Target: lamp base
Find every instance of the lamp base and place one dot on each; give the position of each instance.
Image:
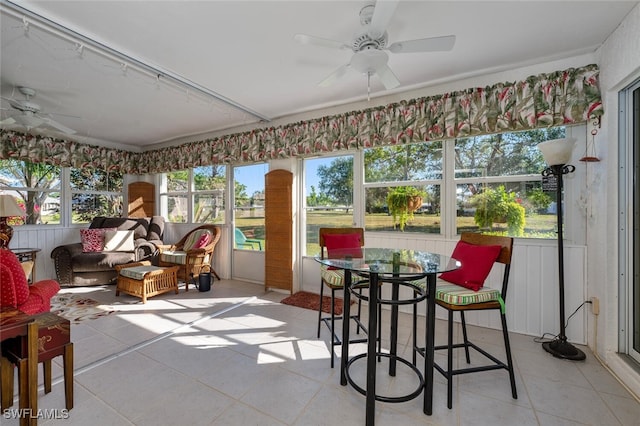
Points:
(560, 348)
(6, 232)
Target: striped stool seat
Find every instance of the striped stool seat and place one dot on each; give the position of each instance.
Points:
(332, 277)
(453, 294)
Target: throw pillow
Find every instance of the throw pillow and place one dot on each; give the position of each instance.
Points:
(194, 239)
(204, 240)
(118, 241)
(92, 239)
(477, 262)
(341, 245)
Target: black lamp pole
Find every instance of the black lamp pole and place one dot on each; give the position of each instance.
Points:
(559, 347)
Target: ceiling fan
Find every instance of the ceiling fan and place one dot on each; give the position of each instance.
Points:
(30, 115)
(369, 45)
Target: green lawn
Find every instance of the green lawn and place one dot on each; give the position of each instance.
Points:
(536, 225)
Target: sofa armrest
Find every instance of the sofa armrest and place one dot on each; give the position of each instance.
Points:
(62, 256)
(145, 249)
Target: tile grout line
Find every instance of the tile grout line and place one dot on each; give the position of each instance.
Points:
(140, 345)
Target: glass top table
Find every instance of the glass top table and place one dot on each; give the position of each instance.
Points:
(396, 267)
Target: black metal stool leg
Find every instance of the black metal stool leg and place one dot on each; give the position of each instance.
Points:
(464, 336)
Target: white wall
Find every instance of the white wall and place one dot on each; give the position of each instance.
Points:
(619, 61)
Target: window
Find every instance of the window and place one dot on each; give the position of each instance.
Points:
(403, 188)
(36, 188)
(495, 186)
(208, 195)
(328, 195)
(249, 206)
(95, 193)
(200, 190)
(499, 186)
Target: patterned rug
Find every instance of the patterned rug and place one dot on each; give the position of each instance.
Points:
(77, 308)
(303, 299)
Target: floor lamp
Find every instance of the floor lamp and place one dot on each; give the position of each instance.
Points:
(557, 153)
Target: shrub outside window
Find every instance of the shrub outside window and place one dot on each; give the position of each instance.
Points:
(499, 185)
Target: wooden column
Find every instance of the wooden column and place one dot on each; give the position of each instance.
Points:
(278, 230)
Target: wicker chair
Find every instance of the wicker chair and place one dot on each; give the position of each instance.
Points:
(193, 252)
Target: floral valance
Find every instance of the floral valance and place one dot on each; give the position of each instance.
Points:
(564, 97)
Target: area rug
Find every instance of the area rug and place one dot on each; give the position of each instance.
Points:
(303, 299)
(77, 308)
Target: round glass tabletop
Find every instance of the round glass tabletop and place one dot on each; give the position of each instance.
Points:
(389, 261)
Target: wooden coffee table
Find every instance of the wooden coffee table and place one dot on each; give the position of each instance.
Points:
(141, 279)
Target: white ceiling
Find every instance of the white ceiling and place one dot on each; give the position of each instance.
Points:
(245, 52)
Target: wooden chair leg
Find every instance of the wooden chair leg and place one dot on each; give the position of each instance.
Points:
(68, 375)
(46, 371)
(6, 373)
(23, 383)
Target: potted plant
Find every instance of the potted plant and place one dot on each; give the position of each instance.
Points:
(402, 202)
(498, 206)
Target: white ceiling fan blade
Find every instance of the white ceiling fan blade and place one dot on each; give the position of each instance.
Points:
(431, 44)
(387, 77)
(322, 42)
(7, 121)
(382, 14)
(334, 76)
(58, 126)
(28, 120)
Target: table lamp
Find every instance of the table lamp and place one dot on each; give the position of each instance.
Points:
(557, 153)
(8, 208)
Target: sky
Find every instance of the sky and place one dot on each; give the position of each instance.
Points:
(253, 176)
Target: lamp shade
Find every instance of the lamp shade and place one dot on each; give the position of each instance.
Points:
(9, 207)
(557, 151)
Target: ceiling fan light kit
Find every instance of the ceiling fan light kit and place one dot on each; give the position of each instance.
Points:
(369, 46)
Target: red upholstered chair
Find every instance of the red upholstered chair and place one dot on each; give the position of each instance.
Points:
(17, 293)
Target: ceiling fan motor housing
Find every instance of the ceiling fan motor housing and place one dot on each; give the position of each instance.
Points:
(362, 41)
(25, 106)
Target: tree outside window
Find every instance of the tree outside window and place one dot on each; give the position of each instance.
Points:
(36, 187)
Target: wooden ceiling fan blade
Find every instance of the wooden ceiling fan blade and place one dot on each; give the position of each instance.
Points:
(334, 76)
(430, 44)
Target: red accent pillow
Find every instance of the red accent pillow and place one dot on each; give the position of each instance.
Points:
(341, 245)
(93, 239)
(204, 240)
(477, 262)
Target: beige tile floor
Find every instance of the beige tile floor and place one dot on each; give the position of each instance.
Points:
(235, 356)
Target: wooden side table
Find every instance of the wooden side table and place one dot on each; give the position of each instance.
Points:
(25, 255)
(14, 323)
(54, 339)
